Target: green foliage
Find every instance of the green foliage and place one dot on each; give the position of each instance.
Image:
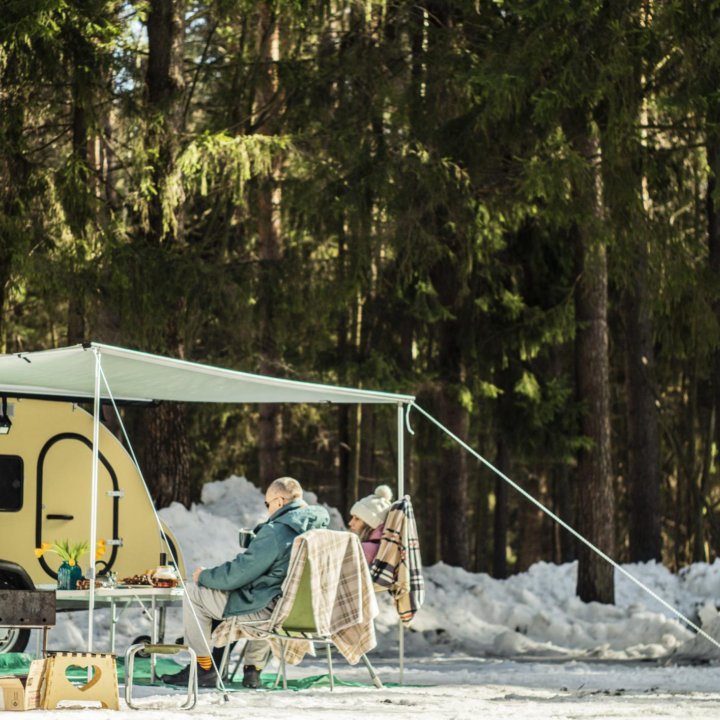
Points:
(424, 171)
(226, 163)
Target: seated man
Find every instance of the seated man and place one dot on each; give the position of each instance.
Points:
(248, 586)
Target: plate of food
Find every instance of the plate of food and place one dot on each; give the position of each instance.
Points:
(136, 581)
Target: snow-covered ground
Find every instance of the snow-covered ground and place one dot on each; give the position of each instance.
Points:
(524, 647)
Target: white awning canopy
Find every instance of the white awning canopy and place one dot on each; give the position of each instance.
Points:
(141, 377)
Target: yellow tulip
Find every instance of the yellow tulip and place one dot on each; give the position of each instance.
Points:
(41, 550)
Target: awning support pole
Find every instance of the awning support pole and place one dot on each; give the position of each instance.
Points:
(93, 500)
(401, 449)
(401, 493)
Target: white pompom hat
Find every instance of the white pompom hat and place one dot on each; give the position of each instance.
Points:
(373, 509)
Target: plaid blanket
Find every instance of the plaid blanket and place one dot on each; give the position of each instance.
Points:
(397, 566)
(343, 600)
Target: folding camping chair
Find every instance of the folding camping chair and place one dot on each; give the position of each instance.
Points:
(327, 600)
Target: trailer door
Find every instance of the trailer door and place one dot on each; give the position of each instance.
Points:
(64, 491)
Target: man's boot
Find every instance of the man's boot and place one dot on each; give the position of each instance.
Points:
(206, 678)
(251, 676)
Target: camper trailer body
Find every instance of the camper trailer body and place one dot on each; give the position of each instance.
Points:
(46, 490)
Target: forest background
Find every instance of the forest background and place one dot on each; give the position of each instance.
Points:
(508, 208)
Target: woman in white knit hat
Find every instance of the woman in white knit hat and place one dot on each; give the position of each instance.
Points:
(367, 519)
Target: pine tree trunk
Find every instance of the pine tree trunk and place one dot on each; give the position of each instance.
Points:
(356, 418)
(452, 483)
(15, 170)
(74, 210)
(433, 98)
(482, 523)
(713, 221)
(270, 249)
(500, 515)
(269, 441)
(643, 436)
(530, 541)
(165, 87)
(367, 464)
(344, 444)
(564, 507)
(453, 474)
(596, 509)
(630, 208)
(344, 459)
(165, 453)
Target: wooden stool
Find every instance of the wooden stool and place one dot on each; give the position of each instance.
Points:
(103, 687)
(133, 650)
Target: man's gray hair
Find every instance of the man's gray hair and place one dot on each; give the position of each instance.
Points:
(288, 487)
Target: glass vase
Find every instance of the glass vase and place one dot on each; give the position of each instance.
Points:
(68, 575)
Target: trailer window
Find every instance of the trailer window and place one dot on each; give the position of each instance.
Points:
(11, 483)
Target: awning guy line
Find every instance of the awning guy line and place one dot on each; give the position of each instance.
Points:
(570, 529)
(168, 544)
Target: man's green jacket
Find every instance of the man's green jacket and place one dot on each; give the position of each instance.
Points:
(254, 578)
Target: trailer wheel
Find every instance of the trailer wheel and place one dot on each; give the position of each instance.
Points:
(13, 639)
(14, 577)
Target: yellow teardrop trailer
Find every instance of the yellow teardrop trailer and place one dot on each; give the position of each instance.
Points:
(45, 491)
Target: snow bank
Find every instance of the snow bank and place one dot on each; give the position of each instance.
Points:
(532, 615)
(537, 614)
